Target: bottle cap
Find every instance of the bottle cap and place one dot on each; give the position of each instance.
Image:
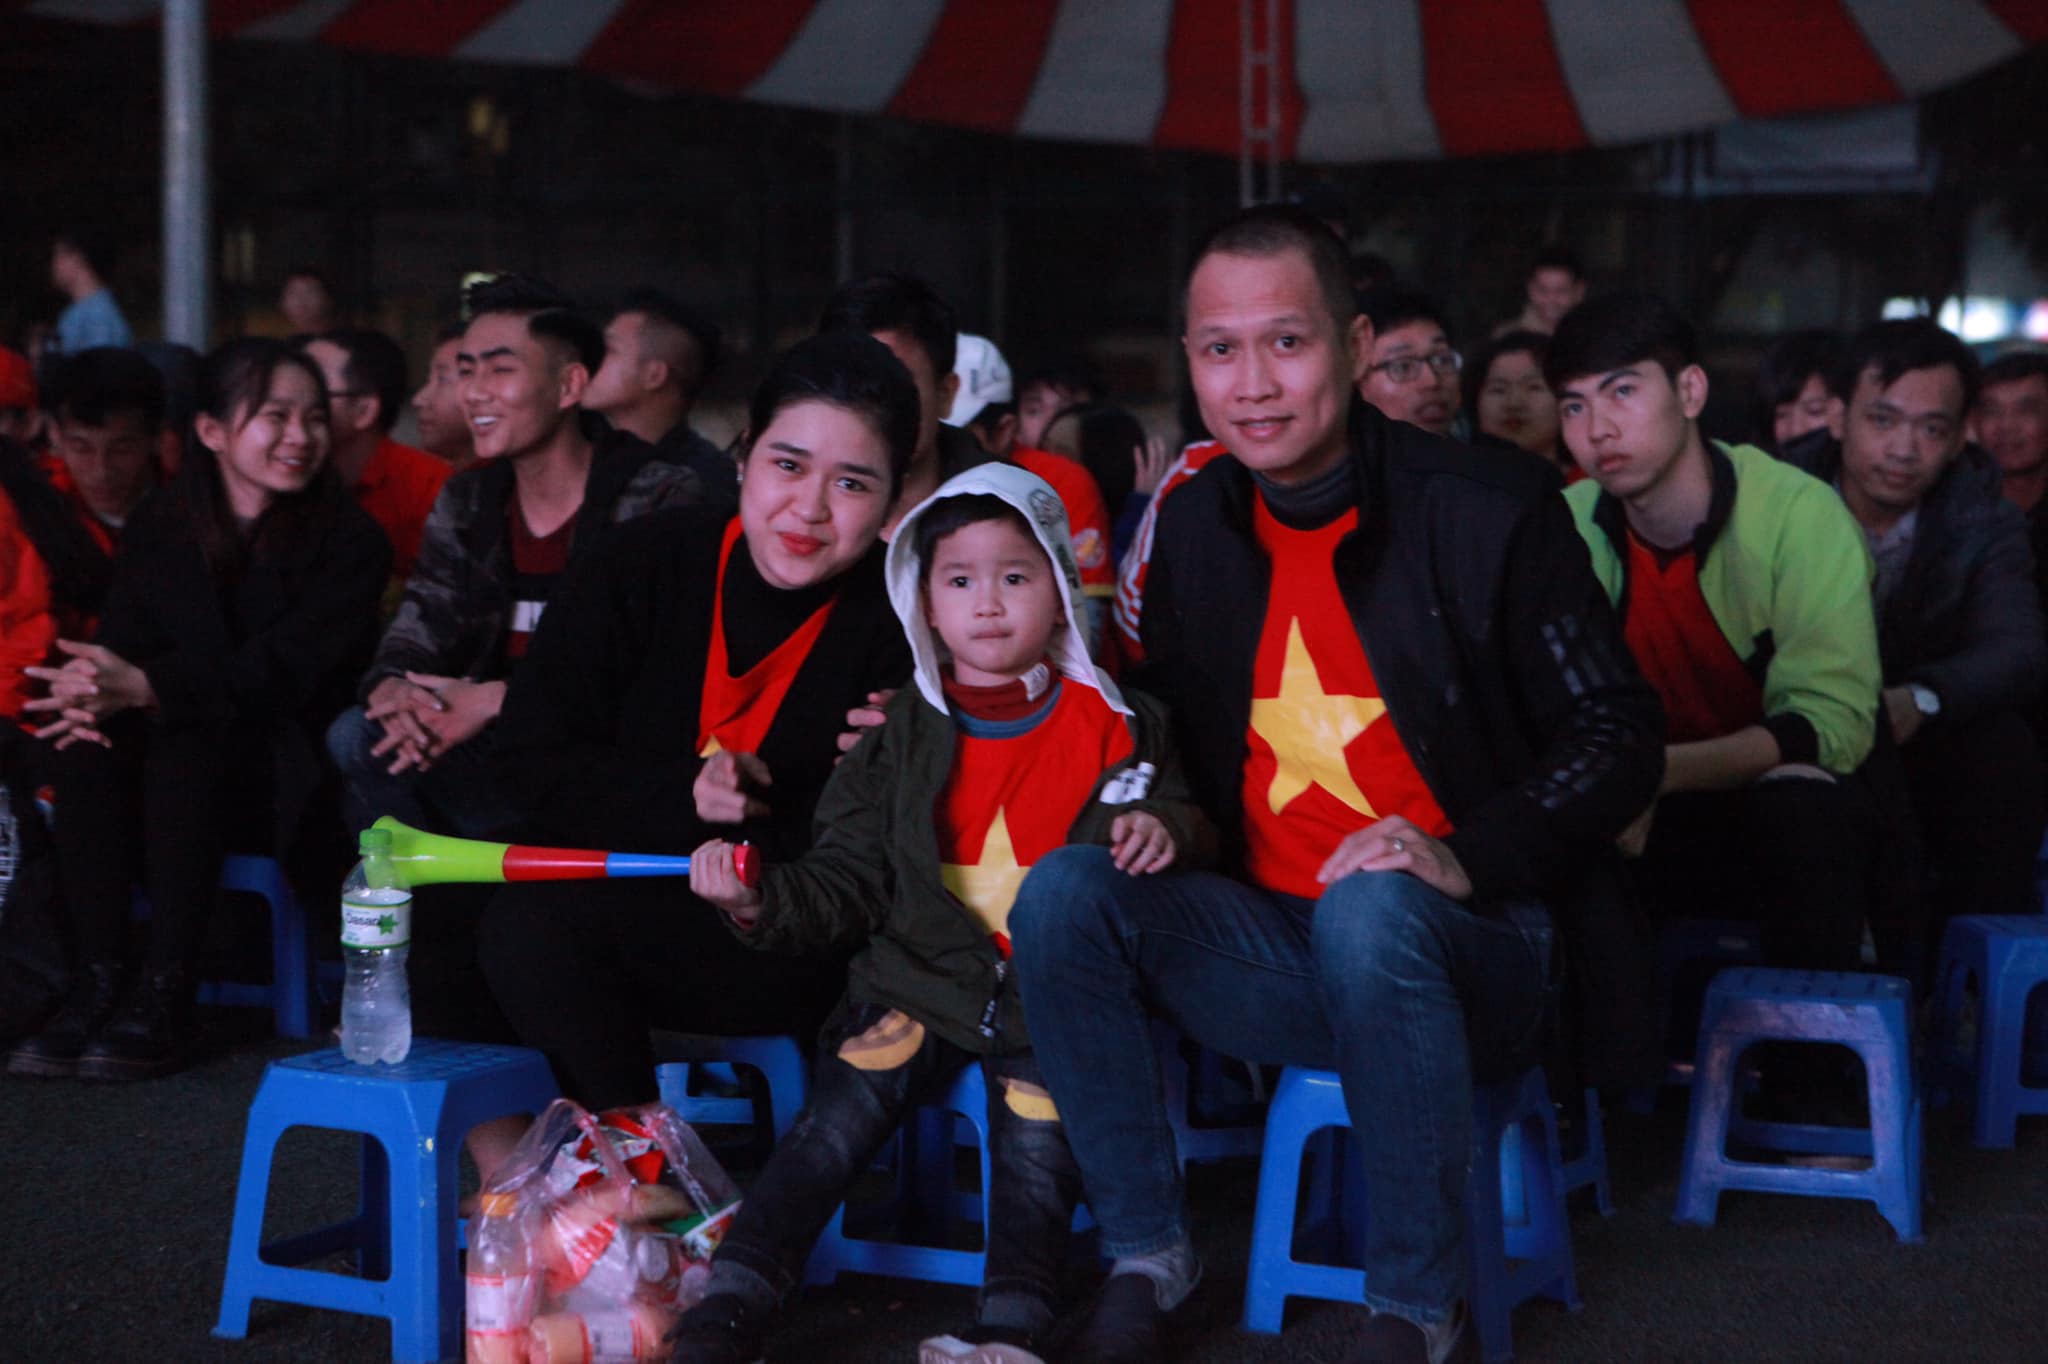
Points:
(374, 840)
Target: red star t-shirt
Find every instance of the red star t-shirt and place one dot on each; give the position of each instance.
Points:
(1009, 801)
(1322, 759)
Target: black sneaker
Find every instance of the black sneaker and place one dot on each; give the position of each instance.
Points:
(1123, 1327)
(1389, 1339)
(722, 1329)
(981, 1345)
(150, 1036)
(56, 1049)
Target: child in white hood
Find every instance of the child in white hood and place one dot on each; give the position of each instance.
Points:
(1011, 744)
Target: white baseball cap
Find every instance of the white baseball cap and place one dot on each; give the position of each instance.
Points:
(984, 378)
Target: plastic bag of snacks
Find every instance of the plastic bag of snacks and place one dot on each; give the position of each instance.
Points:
(593, 1238)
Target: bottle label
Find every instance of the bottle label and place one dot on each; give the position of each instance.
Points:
(618, 1335)
(376, 919)
(499, 1303)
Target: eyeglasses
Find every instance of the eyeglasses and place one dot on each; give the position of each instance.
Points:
(1408, 368)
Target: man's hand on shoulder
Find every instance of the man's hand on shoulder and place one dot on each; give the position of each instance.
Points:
(861, 719)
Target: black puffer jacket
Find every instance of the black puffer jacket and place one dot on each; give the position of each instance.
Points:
(1965, 619)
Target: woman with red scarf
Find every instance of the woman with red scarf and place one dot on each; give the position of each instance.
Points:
(691, 683)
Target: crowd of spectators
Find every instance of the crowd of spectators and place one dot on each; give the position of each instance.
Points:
(1380, 727)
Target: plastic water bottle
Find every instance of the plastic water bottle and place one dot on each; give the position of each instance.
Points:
(376, 929)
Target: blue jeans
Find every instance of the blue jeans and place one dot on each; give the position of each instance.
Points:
(457, 795)
(1405, 993)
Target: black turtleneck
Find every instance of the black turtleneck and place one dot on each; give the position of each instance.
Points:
(759, 617)
(1314, 504)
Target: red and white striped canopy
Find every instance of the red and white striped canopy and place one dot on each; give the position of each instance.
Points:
(1360, 80)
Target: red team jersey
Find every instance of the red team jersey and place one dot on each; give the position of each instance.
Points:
(1012, 800)
(1322, 758)
(1678, 644)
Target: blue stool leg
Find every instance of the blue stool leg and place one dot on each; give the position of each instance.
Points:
(1265, 1289)
(373, 1215)
(245, 1241)
(2001, 1034)
(426, 1318)
(1706, 1131)
(1894, 1126)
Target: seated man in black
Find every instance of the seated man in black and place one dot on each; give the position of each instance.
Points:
(1958, 616)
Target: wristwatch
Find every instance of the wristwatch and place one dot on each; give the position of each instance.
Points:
(1924, 700)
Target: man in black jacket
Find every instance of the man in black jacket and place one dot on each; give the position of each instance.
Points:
(1959, 622)
(657, 355)
(500, 537)
(1403, 698)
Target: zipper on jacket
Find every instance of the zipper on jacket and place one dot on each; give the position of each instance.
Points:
(987, 1026)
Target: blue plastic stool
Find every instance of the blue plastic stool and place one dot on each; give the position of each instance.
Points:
(690, 1065)
(926, 1161)
(291, 992)
(2007, 955)
(1588, 1169)
(413, 1117)
(1514, 1206)
(1870, 1015)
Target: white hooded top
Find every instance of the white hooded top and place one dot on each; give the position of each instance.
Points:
(1040, 506)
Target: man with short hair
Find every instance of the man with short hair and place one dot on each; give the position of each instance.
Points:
(106, 413)
(437, 404)
(1412, 375)
(394, 483)
(1555, 284)
(78, 267)
(1958, 616)
(908, 316)
(2010, 420)
(500, 538)
(306, 302)
(1402, 699)
(1744, 589)
(657, 355)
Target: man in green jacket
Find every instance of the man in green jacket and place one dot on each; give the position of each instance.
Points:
(1744, 590)
(1011, 744)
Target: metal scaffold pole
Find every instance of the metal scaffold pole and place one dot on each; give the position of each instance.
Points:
(188, 199)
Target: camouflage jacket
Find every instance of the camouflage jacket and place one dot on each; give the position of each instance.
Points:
(452, 619)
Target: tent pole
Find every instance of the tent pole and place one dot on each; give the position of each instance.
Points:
(188, 213)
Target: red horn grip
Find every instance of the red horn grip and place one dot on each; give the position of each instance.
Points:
(746, 860)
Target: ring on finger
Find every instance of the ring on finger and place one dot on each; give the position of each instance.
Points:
(1399, 846)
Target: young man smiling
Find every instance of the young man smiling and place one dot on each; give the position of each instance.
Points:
(1744, 589)
(1958, 616)
(1403, 700)
(500, 537)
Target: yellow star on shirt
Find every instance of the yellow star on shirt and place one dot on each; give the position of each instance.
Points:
(1308, 730)
(989, 887)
